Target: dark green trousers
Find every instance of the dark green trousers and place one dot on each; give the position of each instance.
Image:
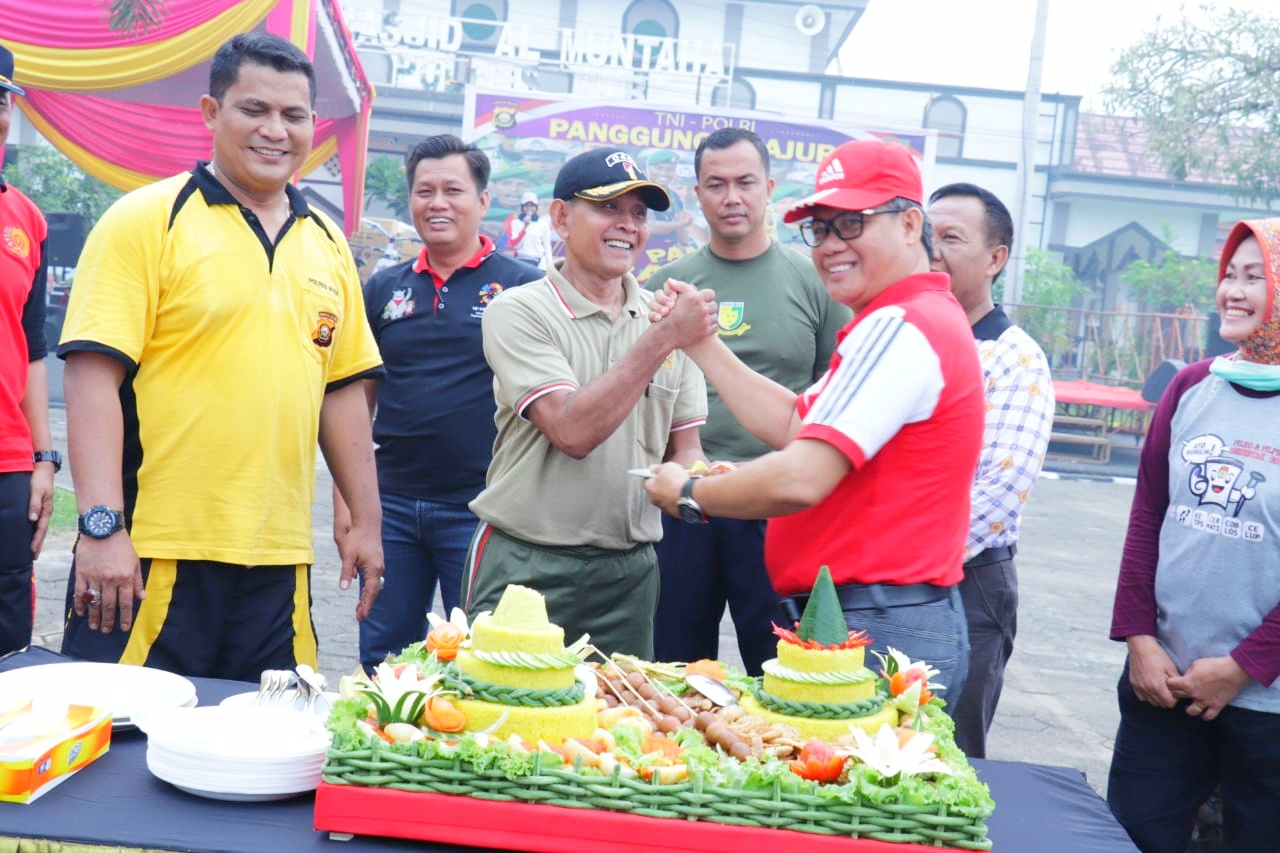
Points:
(610, 595)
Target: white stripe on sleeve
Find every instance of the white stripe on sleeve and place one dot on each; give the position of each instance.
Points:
(888, 376)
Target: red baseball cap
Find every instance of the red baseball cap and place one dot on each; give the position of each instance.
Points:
(861, 175)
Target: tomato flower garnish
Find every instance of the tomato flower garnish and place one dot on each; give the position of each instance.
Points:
(818, 762)
(857, 639)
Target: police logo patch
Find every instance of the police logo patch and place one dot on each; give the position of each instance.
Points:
(17, 241)
(326, 325)
(620, 157)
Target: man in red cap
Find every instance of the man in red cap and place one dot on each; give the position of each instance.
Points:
(27, 460)
(872, 465)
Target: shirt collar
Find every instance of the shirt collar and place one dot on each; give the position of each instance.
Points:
(578, 306)
(215, 192)
(423, 263)
(992, 325)
(907, 287)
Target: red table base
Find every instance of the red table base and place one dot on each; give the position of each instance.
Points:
(521, 826)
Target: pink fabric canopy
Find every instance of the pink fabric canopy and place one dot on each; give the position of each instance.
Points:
(84, 25)
(184, 137)
(124, 106)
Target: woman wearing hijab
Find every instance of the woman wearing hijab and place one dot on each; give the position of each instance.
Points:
(1198, 597)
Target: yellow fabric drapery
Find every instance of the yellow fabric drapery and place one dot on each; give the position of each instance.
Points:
(101, 69)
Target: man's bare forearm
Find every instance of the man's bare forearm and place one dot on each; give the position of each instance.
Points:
(763, 407)
(346, 439)
(95, 428)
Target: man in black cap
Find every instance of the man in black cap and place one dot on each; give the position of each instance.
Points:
(27, 460)
(586, 389)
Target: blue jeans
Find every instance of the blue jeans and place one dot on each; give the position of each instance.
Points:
(936, 633)
(1166, 763)
(422, 542)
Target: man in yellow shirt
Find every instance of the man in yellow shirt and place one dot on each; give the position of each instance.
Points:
(215, 331)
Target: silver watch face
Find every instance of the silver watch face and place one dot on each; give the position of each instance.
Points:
(689, 511)
(100, 523)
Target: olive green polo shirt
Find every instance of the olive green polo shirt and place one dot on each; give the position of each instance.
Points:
(544, 337)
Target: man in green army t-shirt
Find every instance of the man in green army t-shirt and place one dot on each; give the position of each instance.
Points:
(776, 316)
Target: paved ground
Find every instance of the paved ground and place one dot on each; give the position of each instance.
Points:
(1058, 706)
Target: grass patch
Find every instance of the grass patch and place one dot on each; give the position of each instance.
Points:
(64, 511)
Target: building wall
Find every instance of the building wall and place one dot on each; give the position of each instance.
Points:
(774, 64)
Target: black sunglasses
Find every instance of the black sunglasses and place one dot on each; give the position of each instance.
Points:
(847, 224)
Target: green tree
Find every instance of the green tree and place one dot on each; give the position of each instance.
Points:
(384, 182)
(58, 186)
(1049, 291)
(1207, 91)
(1172, 281)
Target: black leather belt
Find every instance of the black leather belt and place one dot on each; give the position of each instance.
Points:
(987, 556)
(876, 596)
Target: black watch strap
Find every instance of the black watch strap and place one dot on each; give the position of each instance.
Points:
(48, 456)
(690, 510)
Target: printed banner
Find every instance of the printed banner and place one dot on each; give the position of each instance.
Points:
(528, 137)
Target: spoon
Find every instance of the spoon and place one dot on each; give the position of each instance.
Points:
(712, 689)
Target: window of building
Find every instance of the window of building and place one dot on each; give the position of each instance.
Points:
(651, 18)
(739, 94)
(480, 19)
(947, 115)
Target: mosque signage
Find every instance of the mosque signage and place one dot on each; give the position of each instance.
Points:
(577, 49)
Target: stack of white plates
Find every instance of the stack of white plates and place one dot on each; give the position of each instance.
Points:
(129, 691)
(236, 753)
(290, 700)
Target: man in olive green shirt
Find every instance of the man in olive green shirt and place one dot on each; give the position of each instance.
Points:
(777, 317)
(586, 389)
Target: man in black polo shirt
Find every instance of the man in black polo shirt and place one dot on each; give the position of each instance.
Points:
(434, 426)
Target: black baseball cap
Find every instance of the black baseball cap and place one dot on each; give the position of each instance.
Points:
(6, 71)
(606, 173)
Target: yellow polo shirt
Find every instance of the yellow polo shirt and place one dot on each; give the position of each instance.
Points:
(231, 344)
(547, 336)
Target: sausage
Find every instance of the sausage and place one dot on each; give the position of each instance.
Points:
(704, 720)
(668, 724)
(635, 679)
(647, 692)
(741, 750)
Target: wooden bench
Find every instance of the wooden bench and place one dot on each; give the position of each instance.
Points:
(1088, 434)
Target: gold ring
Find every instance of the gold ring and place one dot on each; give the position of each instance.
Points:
(1196, 708)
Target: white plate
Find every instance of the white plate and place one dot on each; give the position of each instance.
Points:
(291, 700)
(235, 797)
(231, 733)
(128, 725)
(129, 691)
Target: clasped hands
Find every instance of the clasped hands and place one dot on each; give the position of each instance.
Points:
(692, 313)
(1209, 683)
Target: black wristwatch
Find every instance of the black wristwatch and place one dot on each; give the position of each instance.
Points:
(100, 522)
(689, 509)
(48, 456)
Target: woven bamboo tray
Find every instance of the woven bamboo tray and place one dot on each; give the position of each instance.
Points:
(932, 826)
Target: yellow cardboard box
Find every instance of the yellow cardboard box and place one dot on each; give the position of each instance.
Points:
(40, 746)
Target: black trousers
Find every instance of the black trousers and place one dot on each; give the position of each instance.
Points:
(990, 593)
(15, 561)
